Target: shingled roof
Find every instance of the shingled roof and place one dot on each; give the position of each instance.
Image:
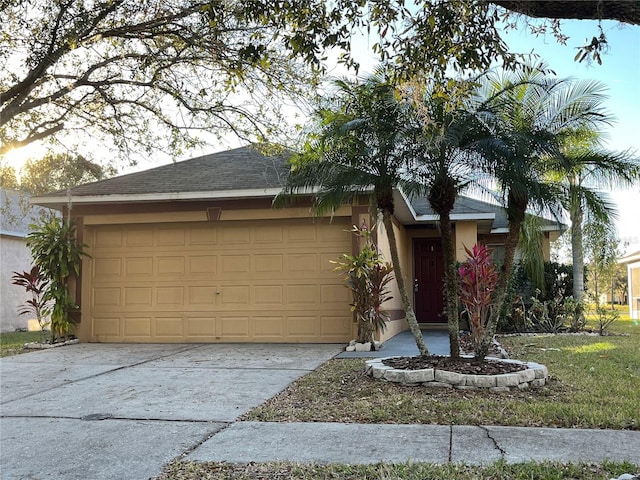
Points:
(243, 173)
(244, 168)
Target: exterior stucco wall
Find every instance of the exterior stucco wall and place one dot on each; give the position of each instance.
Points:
(15, 258)
(394, 306)
(466, 235)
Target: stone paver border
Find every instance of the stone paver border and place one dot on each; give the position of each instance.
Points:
(535, 375)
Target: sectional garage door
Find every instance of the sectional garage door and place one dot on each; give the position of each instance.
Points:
(258, 281)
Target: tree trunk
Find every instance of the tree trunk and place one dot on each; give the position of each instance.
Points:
(452, 288)
(577, 251)
(500, 293)
(397, 270)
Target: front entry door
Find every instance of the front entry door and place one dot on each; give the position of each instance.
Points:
(429, 280)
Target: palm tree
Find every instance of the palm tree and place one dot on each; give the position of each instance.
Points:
(584, 168)
(530, 113)
(444, 136)
(359, 149)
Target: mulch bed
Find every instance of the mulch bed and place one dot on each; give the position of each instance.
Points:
(460, 365)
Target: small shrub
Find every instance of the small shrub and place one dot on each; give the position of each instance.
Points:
(478, 278)
(545, 316)
(35, 283)
(605, 317)
(368, 277)
(574, 314)
(550, 310)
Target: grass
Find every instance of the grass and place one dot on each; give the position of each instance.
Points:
(12, 343)
(409, 471)
(594, 384)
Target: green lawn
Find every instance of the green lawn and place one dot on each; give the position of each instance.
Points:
(594, 384)
(416, 471)
(12, 343)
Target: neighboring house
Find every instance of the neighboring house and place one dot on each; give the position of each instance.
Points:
(194, 252)
(15, 216)
(632, 262)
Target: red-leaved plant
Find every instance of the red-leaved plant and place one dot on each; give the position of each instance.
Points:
(478, 279)
(35, 283)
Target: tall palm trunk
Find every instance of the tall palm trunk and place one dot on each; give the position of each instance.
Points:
(452, 288)
(397, 270)
(516, 217)
(577, 250)
(442, 198)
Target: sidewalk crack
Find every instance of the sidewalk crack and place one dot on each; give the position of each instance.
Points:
(450, 443)
(207, 436)
(495, 442)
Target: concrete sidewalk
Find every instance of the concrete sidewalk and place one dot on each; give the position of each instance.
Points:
(244, 442)
(403, 345)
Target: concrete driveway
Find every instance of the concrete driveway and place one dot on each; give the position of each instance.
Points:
(104, 411)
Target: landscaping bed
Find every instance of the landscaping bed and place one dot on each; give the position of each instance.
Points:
(593, 383)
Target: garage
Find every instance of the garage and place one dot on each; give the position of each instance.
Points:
(219, 281)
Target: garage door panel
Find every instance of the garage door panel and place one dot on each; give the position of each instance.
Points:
(107, 238)
(302, 294)
(239, 235)
(202, 295)
(105, 327)
(171, 265)
(203, 266)
(137, 327)
(202, 236)
(235, 295)
(172, 327)
(108, 267)
(139, 266)
(139, 238)
(302, 262)
(170, 236)
(138, 296)
(268, 263)
(334, 326)
(301, 326)
(272, 295)
(170, 296)
(268, 328)
(334, 294)
(272, 234)
(106, 297)
(236, 263)
(204, 327)
(235, 328)
(268, 281)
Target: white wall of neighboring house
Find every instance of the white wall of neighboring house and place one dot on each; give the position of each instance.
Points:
(633, 270)
(16, 214)
(15, 258)
(632, 262)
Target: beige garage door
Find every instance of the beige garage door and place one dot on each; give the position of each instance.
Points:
(259, 281)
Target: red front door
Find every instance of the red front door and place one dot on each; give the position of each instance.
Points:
(429, 280)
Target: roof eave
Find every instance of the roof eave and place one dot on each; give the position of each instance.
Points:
(59, 202)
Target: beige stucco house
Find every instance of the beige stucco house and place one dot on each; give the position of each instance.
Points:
(194, 252)
(632, 261)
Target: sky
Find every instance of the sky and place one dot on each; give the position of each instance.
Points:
(620, 71)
